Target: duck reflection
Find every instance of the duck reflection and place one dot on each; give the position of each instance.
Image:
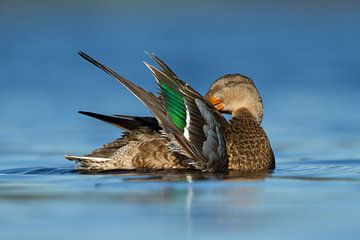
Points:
(182, 175)
(191, 198)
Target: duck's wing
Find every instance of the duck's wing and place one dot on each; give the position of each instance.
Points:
(184, 115)
(127, 123)
(199, 126)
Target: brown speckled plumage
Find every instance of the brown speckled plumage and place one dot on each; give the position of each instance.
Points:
(247, 145)
(141, 148)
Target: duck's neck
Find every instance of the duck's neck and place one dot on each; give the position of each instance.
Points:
(242, 113)
(255, 107)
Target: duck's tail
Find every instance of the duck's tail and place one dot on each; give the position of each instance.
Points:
(90, 163)
(101, 158)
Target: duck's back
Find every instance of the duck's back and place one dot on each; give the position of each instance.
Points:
(248, 147)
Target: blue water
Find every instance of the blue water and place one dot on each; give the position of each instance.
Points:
(304, 58)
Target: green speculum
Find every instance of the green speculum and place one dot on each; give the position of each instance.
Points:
(175, 106)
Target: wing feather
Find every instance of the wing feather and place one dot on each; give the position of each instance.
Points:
(202, 133)
(147, 98)
(127, 123)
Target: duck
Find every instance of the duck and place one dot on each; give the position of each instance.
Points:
(187, 130)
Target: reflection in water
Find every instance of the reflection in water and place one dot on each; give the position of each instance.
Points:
(189, 200)
(183, 175)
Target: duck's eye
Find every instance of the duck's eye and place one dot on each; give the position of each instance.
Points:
(229, 83)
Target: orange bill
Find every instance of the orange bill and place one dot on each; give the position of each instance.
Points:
(216, 102)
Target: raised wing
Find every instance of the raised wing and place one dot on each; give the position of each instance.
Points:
(192, 125)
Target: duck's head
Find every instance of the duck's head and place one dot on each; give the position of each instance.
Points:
(233, 92)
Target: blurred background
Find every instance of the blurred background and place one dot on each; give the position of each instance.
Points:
(304, 57)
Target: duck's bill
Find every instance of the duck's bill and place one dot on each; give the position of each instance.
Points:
(216, 102)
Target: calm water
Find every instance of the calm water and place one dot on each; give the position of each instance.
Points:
(304, 58)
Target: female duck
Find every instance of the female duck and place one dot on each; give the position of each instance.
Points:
(188, 130)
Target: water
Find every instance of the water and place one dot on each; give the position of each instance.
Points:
(304, 58)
